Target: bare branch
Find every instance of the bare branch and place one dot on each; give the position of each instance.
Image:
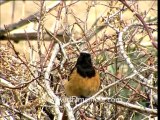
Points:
(20, 112)
(25, 21)
(128, 105)
(58, 114)
(142, 21)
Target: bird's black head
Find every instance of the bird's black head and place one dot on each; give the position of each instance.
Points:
(84, 65)
(84, 60)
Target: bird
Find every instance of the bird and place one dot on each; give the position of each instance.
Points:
(84, 79)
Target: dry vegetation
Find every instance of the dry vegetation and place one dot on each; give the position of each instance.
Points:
(40, 42)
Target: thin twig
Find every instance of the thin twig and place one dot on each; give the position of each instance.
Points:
(142, 21)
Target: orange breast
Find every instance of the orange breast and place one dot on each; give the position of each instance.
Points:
(80, 86)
